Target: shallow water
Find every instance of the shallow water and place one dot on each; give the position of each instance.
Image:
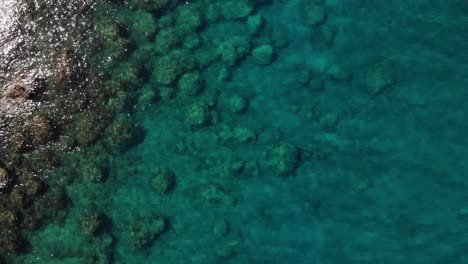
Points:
(262, 133)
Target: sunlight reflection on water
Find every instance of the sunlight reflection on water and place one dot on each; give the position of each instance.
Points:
(34, 35)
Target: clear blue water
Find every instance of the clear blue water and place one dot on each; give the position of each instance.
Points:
(292, 132)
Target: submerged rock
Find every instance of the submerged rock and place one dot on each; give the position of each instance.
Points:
(237, 104)
(197, 114)
(41, 129)
(221, 227)
(285, 158)
(215, 194)
(244, 134)
(163, 180)
(380, 77)
(145, 231)
(18, 92)
(235, 9)
(190, 84)
(154, 5)
(263, 55)
(314, 13)
(233, 50)
(338, 73)
(91, 221)
(171, 66)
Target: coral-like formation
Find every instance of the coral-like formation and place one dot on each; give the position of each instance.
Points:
(4, 178)
(41, 129)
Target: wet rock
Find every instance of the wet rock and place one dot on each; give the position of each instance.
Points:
(284, 158)
(163, 180)
(41, 129)
(18, 142)
(43, 158)
(33, 186)
(11, 241)
(120, 134)
(88, 127)
(67, 71)
(19, 92)
(17, 198)
(9, 217)
(153, 5)
(4, 178)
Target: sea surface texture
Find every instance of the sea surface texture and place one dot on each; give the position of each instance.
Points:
(234, 132)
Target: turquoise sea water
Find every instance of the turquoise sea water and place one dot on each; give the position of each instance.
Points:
(297, 131)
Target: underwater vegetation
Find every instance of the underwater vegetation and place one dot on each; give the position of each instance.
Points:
(234, 131)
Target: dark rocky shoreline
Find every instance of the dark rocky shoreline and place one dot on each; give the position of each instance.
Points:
(48, 107)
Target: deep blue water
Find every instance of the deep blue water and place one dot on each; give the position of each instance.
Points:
(297, 131)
